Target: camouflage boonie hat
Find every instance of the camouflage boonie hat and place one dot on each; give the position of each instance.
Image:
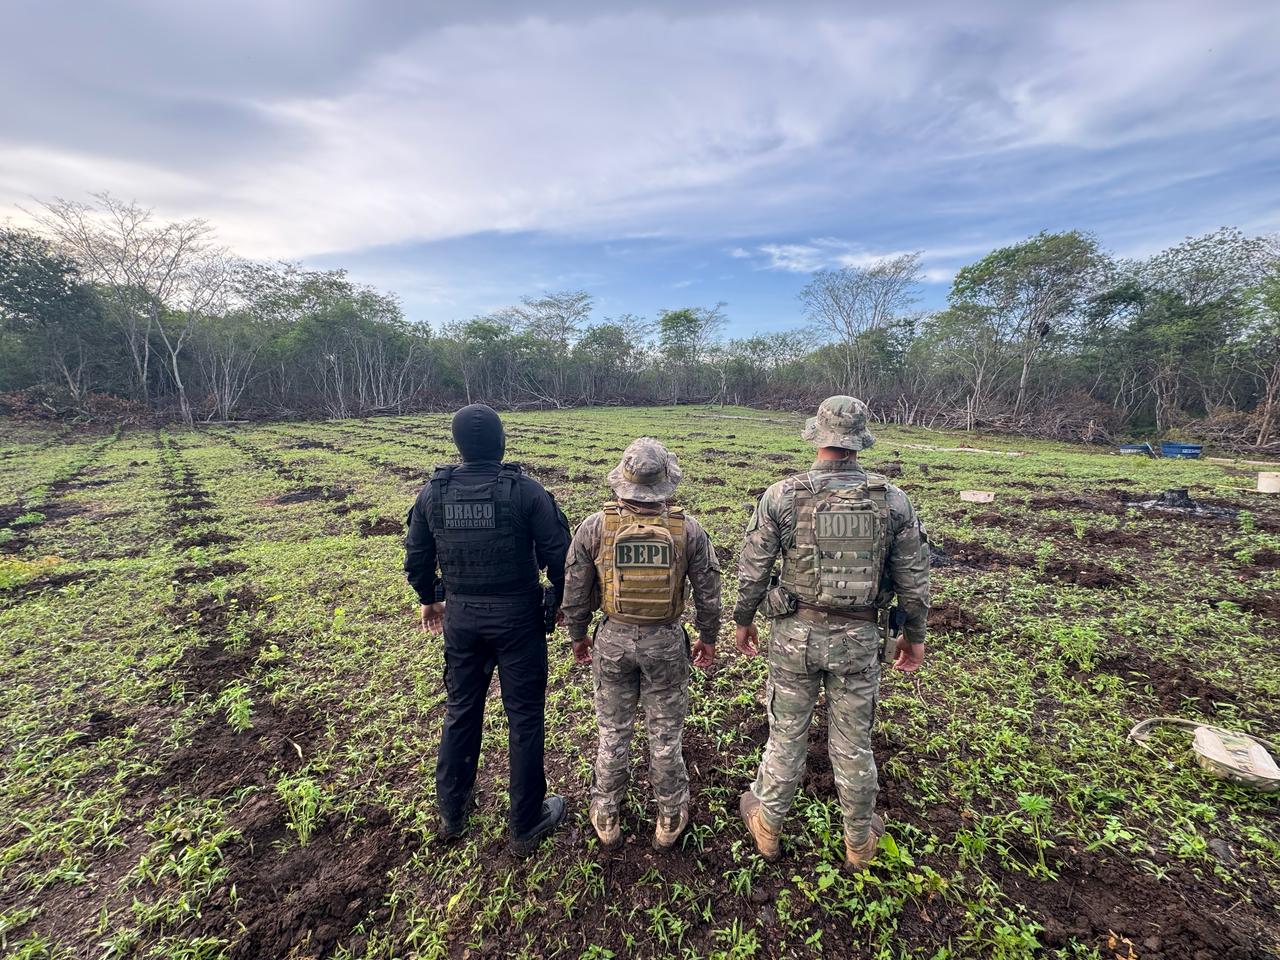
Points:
(841, 422)
(648, 472)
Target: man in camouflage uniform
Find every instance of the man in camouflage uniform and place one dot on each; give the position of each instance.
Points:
(848, 541)
(632, 560)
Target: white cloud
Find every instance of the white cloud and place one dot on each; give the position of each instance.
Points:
(823, 253)
(728, 121)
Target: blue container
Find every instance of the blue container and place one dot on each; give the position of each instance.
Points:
(1142, 448)
(1181, 451)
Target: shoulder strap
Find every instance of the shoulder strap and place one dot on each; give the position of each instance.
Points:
(508, 474)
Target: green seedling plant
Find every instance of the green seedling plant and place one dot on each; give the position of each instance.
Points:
(305, 802)
(205, 630)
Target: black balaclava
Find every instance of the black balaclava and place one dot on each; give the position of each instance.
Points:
(477, 432)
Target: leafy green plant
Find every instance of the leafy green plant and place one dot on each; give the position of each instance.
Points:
(305, 801)
(235, 701)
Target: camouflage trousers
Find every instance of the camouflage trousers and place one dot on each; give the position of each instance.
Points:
(633, 665)
(806, 655)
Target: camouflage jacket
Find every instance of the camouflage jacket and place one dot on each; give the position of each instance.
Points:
(582, 593)
(773, 524)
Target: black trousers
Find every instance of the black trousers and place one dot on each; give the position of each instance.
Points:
(479, 635)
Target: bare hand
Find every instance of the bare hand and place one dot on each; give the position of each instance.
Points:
(910, 656)
(747, 640)
(432, 617)
(582, 650)
(559, 617)
(704, 654)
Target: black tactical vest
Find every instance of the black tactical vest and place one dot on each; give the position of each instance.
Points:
(482, 545)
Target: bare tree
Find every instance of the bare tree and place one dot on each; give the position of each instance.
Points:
(854, 301)
(162, 276)
(554, 320)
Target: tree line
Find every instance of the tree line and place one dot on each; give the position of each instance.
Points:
(1052, 335)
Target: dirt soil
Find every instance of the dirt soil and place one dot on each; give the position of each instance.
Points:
(383, 527)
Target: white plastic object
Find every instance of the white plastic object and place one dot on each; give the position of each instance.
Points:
(1268, 482)
(977, 496)
(1228, 754)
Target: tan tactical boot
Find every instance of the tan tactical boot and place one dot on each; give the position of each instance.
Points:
(669, 828)
(859, 857)
(766, 838)
(608, 826)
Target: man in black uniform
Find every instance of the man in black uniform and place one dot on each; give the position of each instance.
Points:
(490, 528)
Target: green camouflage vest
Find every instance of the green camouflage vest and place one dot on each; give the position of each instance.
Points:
(836, 555)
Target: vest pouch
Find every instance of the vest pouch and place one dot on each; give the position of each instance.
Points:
(779, 602)
(642, 567)
(848, 549)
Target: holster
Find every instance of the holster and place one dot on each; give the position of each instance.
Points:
(891, 620)
(779, 602)
(548, 610)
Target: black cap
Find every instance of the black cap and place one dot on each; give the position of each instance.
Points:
(477, 432)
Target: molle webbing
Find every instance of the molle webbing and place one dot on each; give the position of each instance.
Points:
(481, 545)
(837, 553)
(641, 565)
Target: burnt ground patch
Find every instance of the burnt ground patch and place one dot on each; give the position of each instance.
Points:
(382, 527)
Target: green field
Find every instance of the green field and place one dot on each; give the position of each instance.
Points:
(219, 720)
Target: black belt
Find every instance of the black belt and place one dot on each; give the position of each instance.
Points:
(868, 614)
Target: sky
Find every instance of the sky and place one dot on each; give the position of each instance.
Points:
(658, 155)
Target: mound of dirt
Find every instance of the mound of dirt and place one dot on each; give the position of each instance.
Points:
(382, 527)
(203, 574)
(295, 901)
(208, 538)
(220, 760)
(308, 493)
(975, 556)
(1094, 898)
(1085, 574)
(50, 581)
(210, 615)
(1171, 685)
(952, 618)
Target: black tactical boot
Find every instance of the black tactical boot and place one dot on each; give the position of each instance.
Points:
(453, 826)
(552, 813)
